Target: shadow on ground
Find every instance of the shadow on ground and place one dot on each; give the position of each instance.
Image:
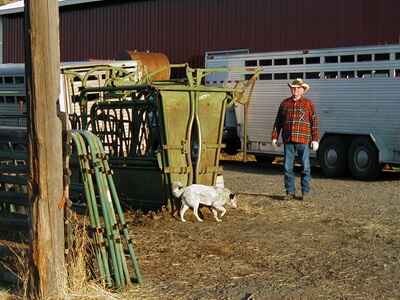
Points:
(254, 167)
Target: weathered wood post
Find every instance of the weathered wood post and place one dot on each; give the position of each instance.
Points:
(42, 57)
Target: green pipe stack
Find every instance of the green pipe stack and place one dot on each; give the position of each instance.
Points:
(111, 234)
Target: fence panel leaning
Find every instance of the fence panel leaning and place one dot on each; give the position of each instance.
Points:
(111, 236)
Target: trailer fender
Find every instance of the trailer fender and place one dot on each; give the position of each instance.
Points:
(384, 153)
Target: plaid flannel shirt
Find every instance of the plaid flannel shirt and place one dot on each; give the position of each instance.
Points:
(297, 120)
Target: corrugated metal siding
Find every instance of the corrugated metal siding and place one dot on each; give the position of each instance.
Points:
(356, 106)
(185, 29)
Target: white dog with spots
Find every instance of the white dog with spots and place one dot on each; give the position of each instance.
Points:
(196, 194)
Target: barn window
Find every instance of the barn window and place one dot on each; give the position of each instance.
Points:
(266, 76)
(1, 80)
(280, 76)
(364, 57)
(398, 55)
(347, 58)
(312, 75)
(250, 63)
(382, 56)
(280, 61)
(8, 80)
(313, 60)
(331, 75)
(331, 59)
(347, 74)
(295, 75)
(265, 62)
(364, 73)
(296, 61)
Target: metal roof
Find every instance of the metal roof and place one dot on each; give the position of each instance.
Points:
(18, 6)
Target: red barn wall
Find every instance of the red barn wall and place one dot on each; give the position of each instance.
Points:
(185, 29)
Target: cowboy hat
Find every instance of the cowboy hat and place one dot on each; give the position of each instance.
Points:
(299, 83)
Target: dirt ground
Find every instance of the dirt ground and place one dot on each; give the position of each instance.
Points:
(342, 244)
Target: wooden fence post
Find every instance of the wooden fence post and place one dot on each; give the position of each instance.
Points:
(45, 188)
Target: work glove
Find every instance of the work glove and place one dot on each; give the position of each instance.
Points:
(314, 145)
(275, 143)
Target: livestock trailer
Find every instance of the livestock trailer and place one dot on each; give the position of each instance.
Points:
(356, 92)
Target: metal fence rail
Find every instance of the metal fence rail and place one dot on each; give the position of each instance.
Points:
(14, 202)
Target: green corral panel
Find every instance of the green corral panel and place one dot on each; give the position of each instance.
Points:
(211, 114)
(177, 117)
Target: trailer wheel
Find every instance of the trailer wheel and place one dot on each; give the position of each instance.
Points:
(332, 156)
(363, 159)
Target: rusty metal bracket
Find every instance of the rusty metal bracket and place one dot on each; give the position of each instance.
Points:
(183, 147)
(210, 170)
(178, 170)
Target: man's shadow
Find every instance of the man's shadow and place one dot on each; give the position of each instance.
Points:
(277, 197)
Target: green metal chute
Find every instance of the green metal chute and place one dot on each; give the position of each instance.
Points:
(211, 114)
(177, 115)
(158, 132)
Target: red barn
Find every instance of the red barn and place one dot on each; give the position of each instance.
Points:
(186, 29)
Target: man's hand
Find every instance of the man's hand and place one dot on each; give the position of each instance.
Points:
(275, 143)
(314, 145)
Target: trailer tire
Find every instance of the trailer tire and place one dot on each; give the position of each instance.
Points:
(363, 159)
(332, 156)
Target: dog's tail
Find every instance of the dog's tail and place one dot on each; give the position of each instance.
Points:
(177, 189)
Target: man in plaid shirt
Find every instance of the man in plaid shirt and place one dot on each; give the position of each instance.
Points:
(298, 121)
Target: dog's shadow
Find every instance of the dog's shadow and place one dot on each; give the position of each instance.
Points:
(204, 212)
(174, 206)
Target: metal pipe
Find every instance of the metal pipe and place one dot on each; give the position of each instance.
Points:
(101, 254)
(116, 250)
(116, 202)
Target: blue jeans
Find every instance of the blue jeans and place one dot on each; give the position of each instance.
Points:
(303, 152)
